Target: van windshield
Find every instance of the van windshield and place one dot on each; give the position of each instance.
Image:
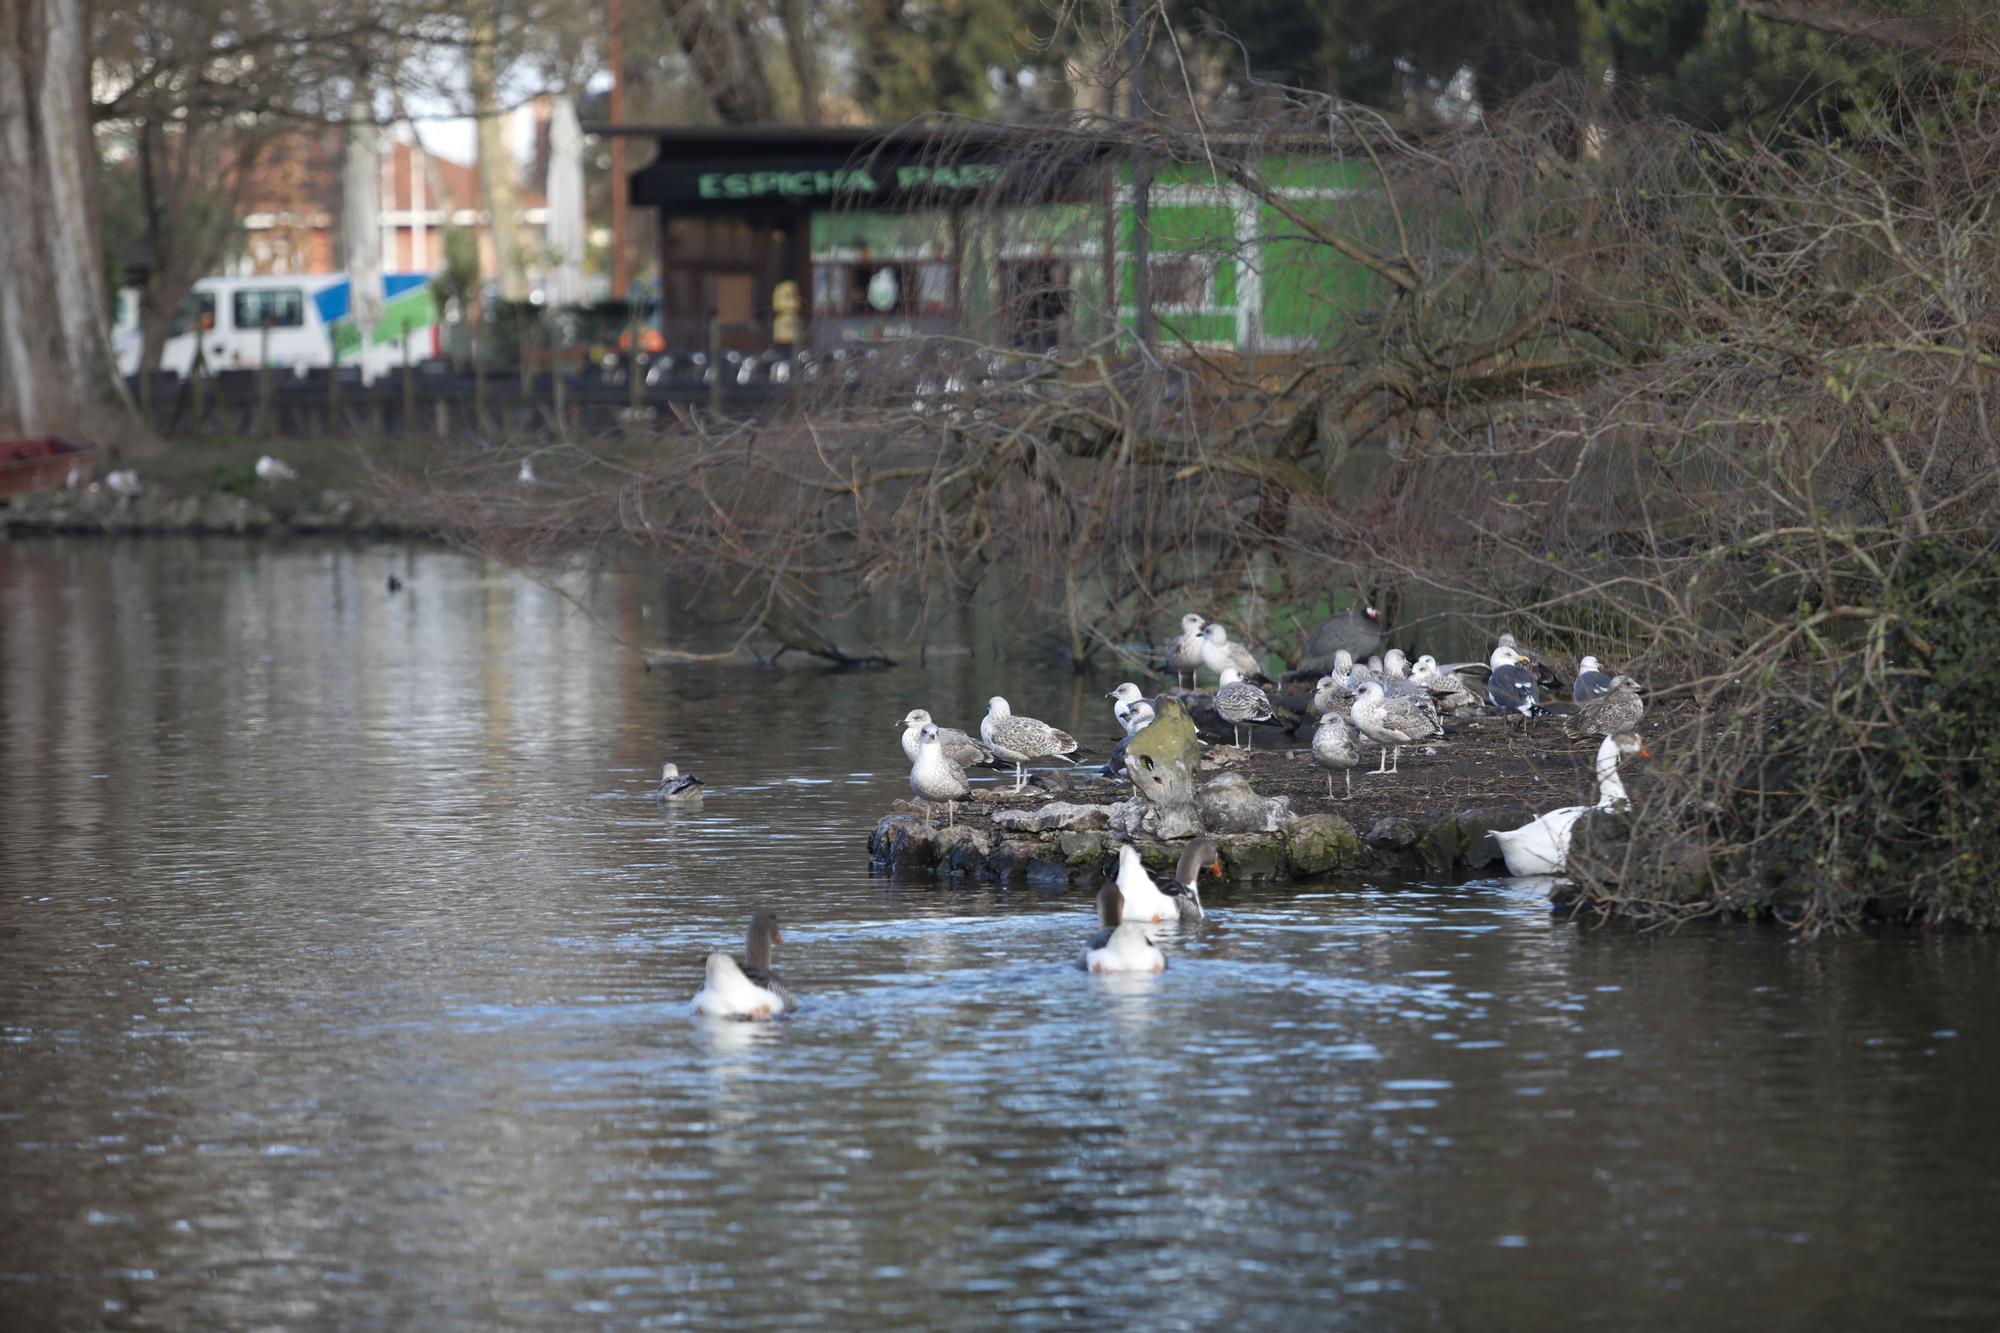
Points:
(198, 311)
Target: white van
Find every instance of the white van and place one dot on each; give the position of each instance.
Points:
(309, 318)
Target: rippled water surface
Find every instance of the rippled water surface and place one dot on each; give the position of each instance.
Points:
(343, 982)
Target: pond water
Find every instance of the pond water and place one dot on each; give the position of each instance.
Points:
(343, 982)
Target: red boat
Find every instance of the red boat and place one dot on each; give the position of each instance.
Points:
(41, 463)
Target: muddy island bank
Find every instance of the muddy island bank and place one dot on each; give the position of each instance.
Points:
(1267, 808)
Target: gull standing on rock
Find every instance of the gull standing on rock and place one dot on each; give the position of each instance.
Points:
(935, 777)
(1122, 946)
(750, 989)
(1217, 652)
(1513, 686)
(1241, 704)
(676, 787)
(1184, 654)
(1618, 709)
(1394, 722)
(1334, 747)
(1591, 680)
(960, 748)
(1016, 740)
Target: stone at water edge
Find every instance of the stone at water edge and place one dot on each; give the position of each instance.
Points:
(1055, 815)
(1322, 844)
(1230, 805)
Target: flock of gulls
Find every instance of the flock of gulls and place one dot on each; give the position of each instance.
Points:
(1360, 696)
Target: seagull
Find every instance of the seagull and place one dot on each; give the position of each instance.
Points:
(1126, 710)
(526, 476)
(1218, 652)
(936, 778)
(126, 481)
(1332, 697)
(1393, 722)
(750, 989)
(676, 788)
(1618, 709)
(1334, 747)
(1241, 704)
(1512, 686)
(1396, 682)
(1591, 681)
(1184, 654)
(1016, 740)
(1122, 946)
(1448, 689)
(274, 469)
(960, 748)
(1141, 716)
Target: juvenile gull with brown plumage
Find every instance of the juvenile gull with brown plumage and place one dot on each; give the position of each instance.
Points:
(1241, 704)
(935, 777)
(960, 748)
(1618, 709)
(1394, 722)
(1016, 740)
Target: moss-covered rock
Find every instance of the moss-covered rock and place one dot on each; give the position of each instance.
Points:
(1255, 856)
(1322, 844)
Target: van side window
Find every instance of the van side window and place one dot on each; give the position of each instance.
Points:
(197, 312)
(283, 308)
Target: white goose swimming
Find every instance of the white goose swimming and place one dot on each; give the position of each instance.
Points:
(1144, 900)
(1122, 946)
(1541, 846)
(750, 989)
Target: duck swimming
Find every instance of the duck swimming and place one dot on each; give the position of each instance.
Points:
(749, 990)
(1541, 846)
(676, 788)
(1119, 947)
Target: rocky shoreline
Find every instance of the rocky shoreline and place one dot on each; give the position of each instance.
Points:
(330, 511)
(1268, 811)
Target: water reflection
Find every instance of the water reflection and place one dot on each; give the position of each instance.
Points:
(344, 969)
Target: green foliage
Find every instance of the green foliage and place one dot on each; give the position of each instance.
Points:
(1706, 62)
(239, 478)
(1887, 794)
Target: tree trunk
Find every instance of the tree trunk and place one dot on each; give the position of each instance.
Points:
(496, 166)
(796, 16)
(56, 367)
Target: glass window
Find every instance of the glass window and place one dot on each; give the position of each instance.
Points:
(1180, 281)
(934, 288)
(282, 308)
(196, 312)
